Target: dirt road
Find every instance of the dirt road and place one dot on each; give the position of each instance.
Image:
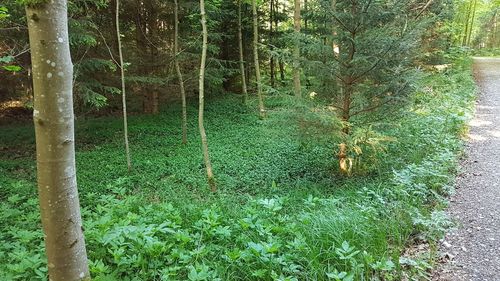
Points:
(474, 246)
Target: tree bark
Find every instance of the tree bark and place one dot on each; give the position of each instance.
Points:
(55, 142)
(262, 110)
(467, 17)
(203, 134)
(282, 71)
(242, 61)
(124, 96)
(179, 73)
(296, 51)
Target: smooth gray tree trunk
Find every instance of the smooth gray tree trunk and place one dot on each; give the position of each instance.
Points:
(55, 141)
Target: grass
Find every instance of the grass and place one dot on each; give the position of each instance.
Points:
(281, 212)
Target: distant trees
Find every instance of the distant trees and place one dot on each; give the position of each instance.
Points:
(55, 141)
(479, 22)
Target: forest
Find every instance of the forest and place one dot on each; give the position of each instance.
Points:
(233, 139)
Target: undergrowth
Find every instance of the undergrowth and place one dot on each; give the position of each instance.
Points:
(281, 212)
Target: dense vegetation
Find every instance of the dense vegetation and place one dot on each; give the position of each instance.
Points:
(281, 214)
(330, 133)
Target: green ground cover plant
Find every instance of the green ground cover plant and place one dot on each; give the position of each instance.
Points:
(281, 212)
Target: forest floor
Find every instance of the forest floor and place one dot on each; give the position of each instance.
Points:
(473, 246)
(281, 212)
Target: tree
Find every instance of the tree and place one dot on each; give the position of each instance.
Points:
(203, 134)
(262, 110)
(55, 141)
(370, 70)
(122, 76)
(242, 60)
(296, 50)
(179, 73)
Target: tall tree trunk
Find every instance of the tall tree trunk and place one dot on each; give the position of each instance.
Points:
(242, 61)
(262, 110)
(55, 141)
(335, 47)
(296, 50)
(124, 96)
(472, 23)
(179, 73)
(345, 164)
(203, 134)
(271, 39)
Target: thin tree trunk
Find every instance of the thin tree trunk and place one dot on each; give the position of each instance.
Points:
(262, 110)
(467, 18)
(124, 97)
(282, 71)
(203, 134)
(336, 50)
(242, 61)
(179, 73)
(271, 37)
(55, 141)
(296, 51)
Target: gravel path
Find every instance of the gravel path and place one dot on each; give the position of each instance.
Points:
(473, 248)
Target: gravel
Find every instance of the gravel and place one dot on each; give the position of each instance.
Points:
(471, 252)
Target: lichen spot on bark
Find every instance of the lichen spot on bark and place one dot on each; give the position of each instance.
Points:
(69, 172)
(49, 75)
(60, 40)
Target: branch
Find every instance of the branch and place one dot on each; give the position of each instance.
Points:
(340, 22)
(109, 49)
(374, 65)
(371, 108)
(424, 8)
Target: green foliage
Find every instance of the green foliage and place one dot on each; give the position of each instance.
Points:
(4, 13)
(280, 213)
(12, 68)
